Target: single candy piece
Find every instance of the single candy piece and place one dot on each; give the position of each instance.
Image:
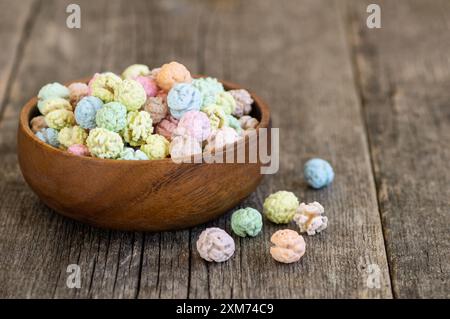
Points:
(104, 143)
(52, 90)
(112, 116)
(131, 94)
(220, 138)
(171, 74)
(79, 150)
(156, 147)
(318, 173)
(104, 86)
(195, 124)
(135, 70)
(214, 244)
(38, 123)
(209, 88)
(244, 102)
(166, 127)
(86, 111)
(149, 85)
(52, 104)
(59, 119)
(130, 154)
(182, 98)
(69, 136)
(246, 222)
(183, 147)
(226, 101)
(78, 91)
(49, 136)
(309, 218)
(289, 246)
(216, 115)
(280, 207)
(234, 123)
(248, 122)
(157, 108)
(138, 129)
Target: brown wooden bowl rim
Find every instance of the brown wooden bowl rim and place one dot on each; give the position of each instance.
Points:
(24, 123)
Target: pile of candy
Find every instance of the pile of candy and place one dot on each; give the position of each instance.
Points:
(143, 114)
(282, 207)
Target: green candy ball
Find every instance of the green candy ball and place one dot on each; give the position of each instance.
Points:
(246, 222)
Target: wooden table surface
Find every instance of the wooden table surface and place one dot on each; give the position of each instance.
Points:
(374, 102)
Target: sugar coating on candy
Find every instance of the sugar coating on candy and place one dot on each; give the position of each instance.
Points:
(49, 136)
(214, 244)
(226, 101)
(135, 70)
(69, 136)
(86, 110)
(166, 127)
(104, 86)
(216, 115)
(149, 85)
(38, 123)
(171, 74)
(246, 222)
(182, 147)
(195, 124)
(288, 247)
(59, 119)
(248, 122)
(280, 207)
(131, 94)
(112, 116)
(156, 147)
(182, 98)
(103, 143)
(234, 123)
(78, 91)
(52, 104)
(157, 107)
(244, 102)
(52, 90)
(154, 73)
(220, 138)
(130, 154)
(138, 129)
(318, 173)
(309, 218)
(209, 88)
(79, 150)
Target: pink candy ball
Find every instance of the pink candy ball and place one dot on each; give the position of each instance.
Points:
(195, 124)
(149, 85)
(77, 92)
(166, 127)
(79, 150)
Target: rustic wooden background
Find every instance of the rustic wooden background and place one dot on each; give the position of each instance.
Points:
(375, 102)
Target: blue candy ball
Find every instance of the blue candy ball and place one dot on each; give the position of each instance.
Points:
(318, 173)
(86, 111)
(48, 135)
(183, 97)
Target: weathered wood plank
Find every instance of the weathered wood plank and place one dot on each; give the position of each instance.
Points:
(296, 58)
(15, 19)
(404, 74)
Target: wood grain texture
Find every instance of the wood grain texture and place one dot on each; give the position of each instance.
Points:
(297, 58)
(15, 21)
(404, 75)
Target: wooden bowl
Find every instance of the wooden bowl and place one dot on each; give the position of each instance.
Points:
(135, 195)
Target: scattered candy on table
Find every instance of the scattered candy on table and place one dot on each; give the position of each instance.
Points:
(309, 218)
(142, 114)
(280, 207)
(246, 222)
(288, 247)
(214, 244)
(318, 173)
